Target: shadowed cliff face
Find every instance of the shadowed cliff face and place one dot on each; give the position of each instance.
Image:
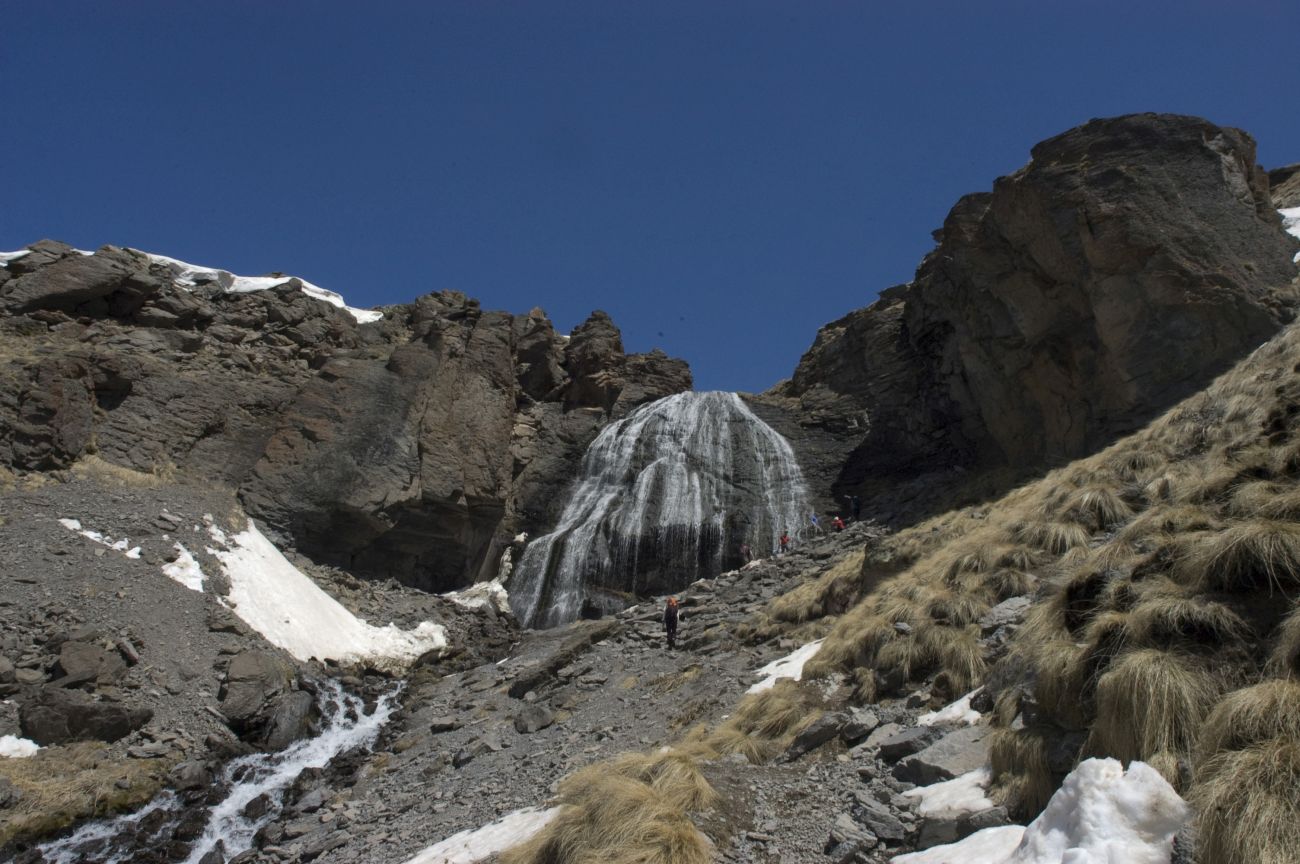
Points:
(413, 447)
(1130, 261)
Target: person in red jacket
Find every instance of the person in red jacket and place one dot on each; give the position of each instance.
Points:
(838, 524)
(785, 542)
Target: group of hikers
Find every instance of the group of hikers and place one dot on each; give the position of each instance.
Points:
(671, 609)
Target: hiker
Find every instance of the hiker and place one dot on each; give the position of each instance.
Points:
(785, 541)
(670, 622)
(837, 523)
(816, 526)
(745, 554)
(855, 506)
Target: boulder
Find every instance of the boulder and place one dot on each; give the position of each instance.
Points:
(956, 753)
(822, 730)
(878, 818)
(533, 718)
(62, 716)
(80, 662)
(859, 725)
(1008, 612)
(253, 679)
(904, 742)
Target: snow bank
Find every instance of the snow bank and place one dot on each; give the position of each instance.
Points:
(13, 747)
(6, 257)
(124, 545)
(1291, 222)
(291, 611)
(964, 794)
(958, 712)
(185, 569)
(476, 844)
(190, 275)
(790, 666)
(1102, 814)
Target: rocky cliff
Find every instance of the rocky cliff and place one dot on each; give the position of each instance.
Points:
(1130, 261)
(411, 446)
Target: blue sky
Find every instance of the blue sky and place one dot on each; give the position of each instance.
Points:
(721, 177)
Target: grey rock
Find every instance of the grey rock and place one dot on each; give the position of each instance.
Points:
(957, 753)
(533, 718)
(822, 730)
(190, 775)
(1007, 612)
(859, 725)
(444, 724)
(905, 742)
(878, 818)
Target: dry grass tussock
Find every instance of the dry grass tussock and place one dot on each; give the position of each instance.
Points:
(763, 724)
(1249, 556)
(831, 593)
(94, 468)
(1150, 701)
(61, 785)
(1248, 809)
(1158, 558)
(1251, 716)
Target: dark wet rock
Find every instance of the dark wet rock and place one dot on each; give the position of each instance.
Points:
(904, 742)
(822, 730)
(63, 716)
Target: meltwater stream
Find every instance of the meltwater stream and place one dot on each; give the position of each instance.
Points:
(666, 495)
(116, 841)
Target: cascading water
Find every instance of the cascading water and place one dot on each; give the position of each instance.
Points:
(666, 495)
(230, 824)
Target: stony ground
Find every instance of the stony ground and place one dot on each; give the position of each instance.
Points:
(474, 745)
(490, 728)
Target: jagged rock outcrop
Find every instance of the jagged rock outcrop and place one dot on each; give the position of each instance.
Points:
(415, 446)
(1130, 261)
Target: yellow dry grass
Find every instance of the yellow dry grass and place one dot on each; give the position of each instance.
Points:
(1249, 716)
(1150, 701)
(1260, 554)
(61, 785)
(1248, 809)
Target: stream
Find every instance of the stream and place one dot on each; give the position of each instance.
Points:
(255, 787)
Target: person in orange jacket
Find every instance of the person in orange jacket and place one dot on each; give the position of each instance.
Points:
(670, 622)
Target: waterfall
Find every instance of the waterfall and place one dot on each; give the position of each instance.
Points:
(666, 496)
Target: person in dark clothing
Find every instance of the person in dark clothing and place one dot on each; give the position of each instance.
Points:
(785, 542)
(670, 622)
(855, 506)
(745, 554)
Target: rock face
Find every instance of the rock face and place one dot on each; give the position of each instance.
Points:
(415, 446)
(1285, 186)
(1130, 261)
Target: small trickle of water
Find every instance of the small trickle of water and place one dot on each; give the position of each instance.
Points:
(113, 841)
(665, 495)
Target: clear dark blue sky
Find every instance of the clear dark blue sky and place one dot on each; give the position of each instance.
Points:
(721, 177)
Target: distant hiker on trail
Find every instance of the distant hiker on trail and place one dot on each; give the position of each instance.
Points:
(855, 506)
(785, 542)
(837, 523)
(745, 555)
(670, 622)
(816, 526)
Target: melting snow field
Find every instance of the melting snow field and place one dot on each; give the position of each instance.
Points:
(790, 666)
(475, 844)
(124, 545)
(13, 747)
(1102, 814)
(283, 604)
(290, 610)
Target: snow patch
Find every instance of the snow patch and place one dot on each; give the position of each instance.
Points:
(952, 798)
(958, 712)
(291, 611)
(124, 545)
(476, 844)
(492, 594)
(1101, 814)
(6, 257)
(790, 666)
(13, 747)
(185, 569)
(191, 275)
